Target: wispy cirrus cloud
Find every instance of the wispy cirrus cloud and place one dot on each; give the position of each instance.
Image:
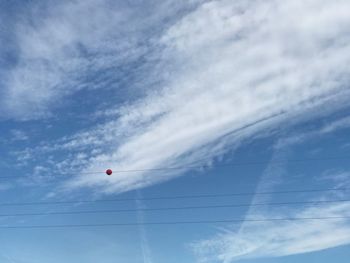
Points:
(273, 238)
(229, 68)
(224, 72)
(145, 244)
(62, 48)
(212, 74)
(336, 125)
(251, 239)
(276, 239)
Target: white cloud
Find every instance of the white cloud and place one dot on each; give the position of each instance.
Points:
(18, 135)
(279, 238)
(229, 68)
(283, 238)
(336, 125)
(66, 46)
(229, 71)
(145, 244)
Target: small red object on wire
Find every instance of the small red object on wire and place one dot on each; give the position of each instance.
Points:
(109, 171)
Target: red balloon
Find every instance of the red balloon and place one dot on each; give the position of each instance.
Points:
(109, 172)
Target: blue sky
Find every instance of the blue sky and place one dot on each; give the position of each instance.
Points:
(246, 96)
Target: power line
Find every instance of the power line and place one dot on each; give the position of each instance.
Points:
(232, 164)
(175, 208)
(175, 222)
(247, 163)
(177, 197)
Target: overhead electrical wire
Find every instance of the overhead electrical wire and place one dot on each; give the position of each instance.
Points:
(232, 164)
(175, 208)
(178, 197)
(248, 220)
